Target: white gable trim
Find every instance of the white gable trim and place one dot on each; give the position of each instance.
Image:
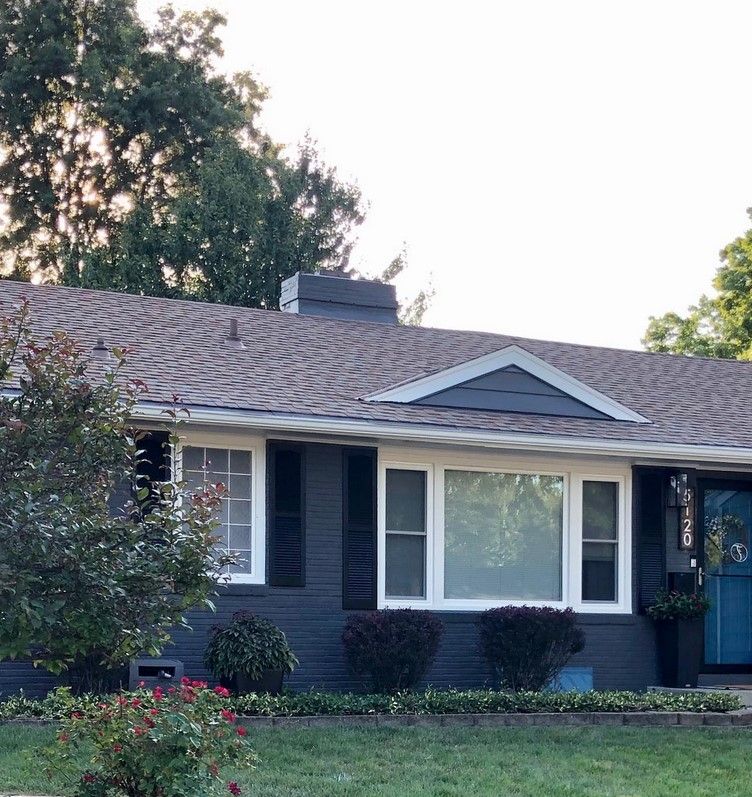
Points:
(488, 363)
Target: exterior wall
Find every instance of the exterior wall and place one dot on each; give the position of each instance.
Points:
(619, 648)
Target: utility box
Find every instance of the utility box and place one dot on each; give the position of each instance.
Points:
(154, 672)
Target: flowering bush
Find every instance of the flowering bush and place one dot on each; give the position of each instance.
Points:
(676, 605)
(158, 743)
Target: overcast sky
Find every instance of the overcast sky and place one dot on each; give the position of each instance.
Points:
(560, 170)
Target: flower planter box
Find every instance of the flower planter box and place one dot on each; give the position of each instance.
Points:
(679, 645)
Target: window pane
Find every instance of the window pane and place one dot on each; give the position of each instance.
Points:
(240, 461)
(598, 571)
(405, 500)
(240, 486)
(502, 537)
(243, 563)
(217, 460)
(405, 566)
(600, 501)
(193, 458)
(240, 511)
(240, 537)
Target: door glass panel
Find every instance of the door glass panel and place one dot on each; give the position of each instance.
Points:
(728, 569)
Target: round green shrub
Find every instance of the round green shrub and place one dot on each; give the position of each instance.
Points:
(393, 647)
(248, 646)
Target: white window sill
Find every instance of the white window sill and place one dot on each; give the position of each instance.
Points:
(483, 605)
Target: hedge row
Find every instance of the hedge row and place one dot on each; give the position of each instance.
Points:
(432, 701)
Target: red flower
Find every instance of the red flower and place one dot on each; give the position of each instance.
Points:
(141, 684)
(63, 737)
(171, 690)
(228, 715)
(118, 748)
(221, 691)
(158, 694)
(139, 731)
(149, 722)
(154, 712)
(185, 681)
(241, 730)
(135, 702)
(199, 684)
(76, 715)
(233, 787)
(88, 778)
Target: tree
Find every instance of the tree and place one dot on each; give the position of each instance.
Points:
(87, 574)
(127, 162)
(720, 325)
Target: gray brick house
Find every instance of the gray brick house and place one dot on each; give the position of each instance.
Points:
(375, 465)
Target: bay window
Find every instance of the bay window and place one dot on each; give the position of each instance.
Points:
(469, 537)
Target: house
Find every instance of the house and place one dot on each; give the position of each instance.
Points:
(375, 465)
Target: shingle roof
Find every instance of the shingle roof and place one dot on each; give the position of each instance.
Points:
(313, 366)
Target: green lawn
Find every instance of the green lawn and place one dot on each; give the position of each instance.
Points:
(535, 762)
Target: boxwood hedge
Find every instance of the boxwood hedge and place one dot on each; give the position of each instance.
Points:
(430, 701)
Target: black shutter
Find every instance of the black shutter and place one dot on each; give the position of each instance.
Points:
(359, 529)
(650, 517)
(286, 514)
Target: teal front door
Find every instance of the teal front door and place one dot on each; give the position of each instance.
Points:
(727, 520)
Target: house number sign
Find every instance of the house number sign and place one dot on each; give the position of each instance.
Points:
(687, 521)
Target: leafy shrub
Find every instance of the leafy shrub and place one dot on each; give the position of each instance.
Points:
(678, 606)
(152, 743)
(433, 701)
(528, 646)
(248, 646)
(393, 647)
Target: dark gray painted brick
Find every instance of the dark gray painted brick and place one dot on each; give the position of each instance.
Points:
(620, 649)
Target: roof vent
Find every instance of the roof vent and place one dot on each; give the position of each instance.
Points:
(99, 350)
(334, 295)
(233, 339)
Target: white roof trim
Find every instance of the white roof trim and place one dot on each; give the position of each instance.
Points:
(424, 433)
(488, 363)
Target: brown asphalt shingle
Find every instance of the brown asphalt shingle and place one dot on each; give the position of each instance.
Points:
(320, 367)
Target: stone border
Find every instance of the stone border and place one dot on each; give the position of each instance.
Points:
(635, 718)
(660, 719)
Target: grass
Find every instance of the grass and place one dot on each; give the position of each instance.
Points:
(419, 762)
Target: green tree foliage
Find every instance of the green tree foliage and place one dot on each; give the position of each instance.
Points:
(128, 162)
(86, 571)
(718, 326)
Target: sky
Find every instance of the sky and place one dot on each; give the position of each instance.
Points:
(558, 170)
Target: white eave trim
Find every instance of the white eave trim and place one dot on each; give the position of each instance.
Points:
(428, 434)
(488, 363)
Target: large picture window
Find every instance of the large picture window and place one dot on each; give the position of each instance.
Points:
(470, 537)
(502, 535)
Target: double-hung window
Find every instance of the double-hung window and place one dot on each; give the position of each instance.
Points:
(406, 514)
(240, 531)
(600, 540)
(480, 535)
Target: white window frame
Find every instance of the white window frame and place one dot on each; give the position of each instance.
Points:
(381, 509)
(257, 448)
(623, 566)
(573, 473)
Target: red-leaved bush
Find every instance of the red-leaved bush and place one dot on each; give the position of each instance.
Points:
(527, 646)
(393, 648)
(153, 743)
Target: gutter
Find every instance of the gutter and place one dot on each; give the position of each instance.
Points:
(425, 433)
